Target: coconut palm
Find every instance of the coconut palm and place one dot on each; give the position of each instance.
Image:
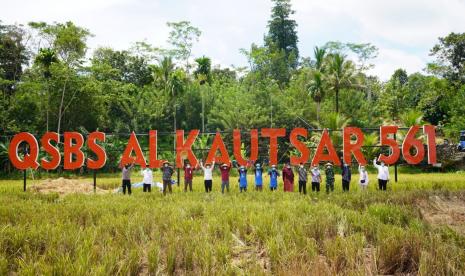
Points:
(341, 75)
(316, 85)
(320, 54)
(316, 91)
(162, 72)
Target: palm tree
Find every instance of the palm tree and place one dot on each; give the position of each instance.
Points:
(172, 81)
(411, 118)
(176, 83)
(163, 71)
(203, 75)
(316, 85)
(341, 74)
(203, 71)
(320, 54)
(316, 91)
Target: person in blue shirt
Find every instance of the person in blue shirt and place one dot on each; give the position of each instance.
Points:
(242, 179)
(274, 174)
(258, 172)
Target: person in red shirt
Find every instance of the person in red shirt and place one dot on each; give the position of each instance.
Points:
(288, 178)
(188, 175)
(225, 169)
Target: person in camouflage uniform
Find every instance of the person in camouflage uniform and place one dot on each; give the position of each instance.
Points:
(329, 171)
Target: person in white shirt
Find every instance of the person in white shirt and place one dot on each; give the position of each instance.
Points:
(147, 179)
(363, 181)
(207, 175)
(316, 178)
(383, 174)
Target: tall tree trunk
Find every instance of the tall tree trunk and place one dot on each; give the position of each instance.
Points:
(174, 130)
(318, 111)
(337, 100)
(203, 110)
(60, 110)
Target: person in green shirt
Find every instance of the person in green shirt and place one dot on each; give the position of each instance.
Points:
(329, 171)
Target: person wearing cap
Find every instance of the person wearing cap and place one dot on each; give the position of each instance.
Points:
(167, 173)
(225, 169)
(302, 179)
(126, 177)
(329, 172)
(274, 174)
(363, 180)
(242, 178)
(207, 175)
(346, 176)
(258, 172)
(147, 176)
(316, 178)
(288, 178)
(188, 176)
(383, 174)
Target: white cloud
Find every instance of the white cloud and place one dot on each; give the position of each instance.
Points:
(390, 60)
(403, 30)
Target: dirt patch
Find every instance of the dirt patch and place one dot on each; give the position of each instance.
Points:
(64, 186)
(244, 255)
(369, 260)
(444, 211)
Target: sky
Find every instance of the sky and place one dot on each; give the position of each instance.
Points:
(403, 30)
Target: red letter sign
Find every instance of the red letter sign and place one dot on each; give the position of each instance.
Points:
(430, 132)
(30, 160)
(355, 148)
(71, 149)
(273, 134)
(97, 149)
(153, 158)
(51, 150)
(238, 146)
(331, 156)
(409, 142)
(300, 146)
(184, 149)
(218, 144)
(392, 143)
(133, 145)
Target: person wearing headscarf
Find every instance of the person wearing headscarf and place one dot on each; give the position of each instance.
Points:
(274, 174)
(288, 178)
(258, 172)
(242, 178)
(188, 176)
(363, 179)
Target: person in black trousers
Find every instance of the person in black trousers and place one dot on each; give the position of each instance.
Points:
(126, 177)
(302, 179)
(346, 177)
(316, 178)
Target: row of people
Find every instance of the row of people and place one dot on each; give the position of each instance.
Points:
(259, 173)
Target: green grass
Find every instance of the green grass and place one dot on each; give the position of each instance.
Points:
(233, 234)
